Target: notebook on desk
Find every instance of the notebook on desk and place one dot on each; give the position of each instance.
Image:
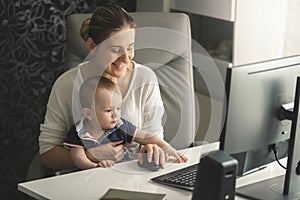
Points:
(131, 195)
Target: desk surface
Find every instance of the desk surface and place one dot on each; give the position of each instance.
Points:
(92, 184)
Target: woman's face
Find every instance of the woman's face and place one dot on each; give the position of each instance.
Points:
(118, 51)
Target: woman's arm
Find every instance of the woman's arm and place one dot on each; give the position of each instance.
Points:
(58, 120)
(80, 159)
(57, 158)
(145, 137)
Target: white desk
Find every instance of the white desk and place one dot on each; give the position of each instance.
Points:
(92, 184)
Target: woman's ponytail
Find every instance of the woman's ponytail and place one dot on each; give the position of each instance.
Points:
(84, 30)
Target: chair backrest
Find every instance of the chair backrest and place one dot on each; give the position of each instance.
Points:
(163, 42)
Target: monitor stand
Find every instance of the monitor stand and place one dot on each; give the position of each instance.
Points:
(268, 189)
(282, 187)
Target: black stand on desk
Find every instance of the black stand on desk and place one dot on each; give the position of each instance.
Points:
(281, 187)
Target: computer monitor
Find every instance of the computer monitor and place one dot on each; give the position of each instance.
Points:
(253, 128)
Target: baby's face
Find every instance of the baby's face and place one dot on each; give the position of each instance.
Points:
(108, 108)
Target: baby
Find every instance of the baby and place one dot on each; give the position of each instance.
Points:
(102, 123)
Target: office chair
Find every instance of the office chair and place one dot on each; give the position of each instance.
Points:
(171, 63)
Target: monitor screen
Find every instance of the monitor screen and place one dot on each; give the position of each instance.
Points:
(254, 95)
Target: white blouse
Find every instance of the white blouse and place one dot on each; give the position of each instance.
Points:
(142, 106)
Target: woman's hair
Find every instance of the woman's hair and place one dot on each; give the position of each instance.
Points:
(88, 89)
(104, 21)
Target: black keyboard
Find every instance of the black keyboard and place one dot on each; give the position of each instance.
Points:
(183, 178)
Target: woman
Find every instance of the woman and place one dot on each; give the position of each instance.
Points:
(109, 36)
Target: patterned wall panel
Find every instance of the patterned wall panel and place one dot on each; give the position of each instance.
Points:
(32, 44)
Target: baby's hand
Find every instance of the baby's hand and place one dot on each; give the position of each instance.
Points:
(180, 158)
(106, 163)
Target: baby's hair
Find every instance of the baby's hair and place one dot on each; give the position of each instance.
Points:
(104, 21)
(88, 89)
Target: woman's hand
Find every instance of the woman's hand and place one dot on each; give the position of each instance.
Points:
(152, 151)
(111, 151)
(169, 150)
(106, 163)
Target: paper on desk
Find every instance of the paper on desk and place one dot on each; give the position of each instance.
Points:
(117, 194)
